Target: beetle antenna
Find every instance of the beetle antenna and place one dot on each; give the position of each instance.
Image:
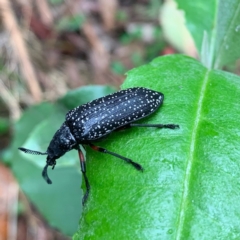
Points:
(32, 152)
(45, 174)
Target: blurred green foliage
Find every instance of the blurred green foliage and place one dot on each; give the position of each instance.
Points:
(60, 203)
(71, 23)
(4, 125)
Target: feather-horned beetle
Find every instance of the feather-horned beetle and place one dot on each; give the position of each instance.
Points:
(98, 118)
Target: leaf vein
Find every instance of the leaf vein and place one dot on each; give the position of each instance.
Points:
(187, 177)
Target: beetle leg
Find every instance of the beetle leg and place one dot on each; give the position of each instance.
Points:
(171, 126)
(83, 169)
(103, 150)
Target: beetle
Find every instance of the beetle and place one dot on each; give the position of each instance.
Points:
(92, 121)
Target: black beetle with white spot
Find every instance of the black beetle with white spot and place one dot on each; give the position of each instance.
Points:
(98, 118)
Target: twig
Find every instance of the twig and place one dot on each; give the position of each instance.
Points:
(9, 200)
(20, 49)
(108, 11)
(44, 12)
(102, 56)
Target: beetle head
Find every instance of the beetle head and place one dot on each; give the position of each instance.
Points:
(62, 142)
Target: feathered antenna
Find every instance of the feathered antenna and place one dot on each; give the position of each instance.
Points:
(32, 152)
(44, 172)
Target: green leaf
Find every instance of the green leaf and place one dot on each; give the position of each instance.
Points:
(219, 21)
(34, 131)
(226, 41)
(84, 94)
(71, 23)
(28, 121)
(61, 202)
(199, 17)
(55, 2)
(190, 185)
(4, 125)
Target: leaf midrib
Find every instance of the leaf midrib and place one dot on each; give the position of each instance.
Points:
(187, 177)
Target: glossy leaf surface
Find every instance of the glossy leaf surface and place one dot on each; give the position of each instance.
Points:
(190, 187)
